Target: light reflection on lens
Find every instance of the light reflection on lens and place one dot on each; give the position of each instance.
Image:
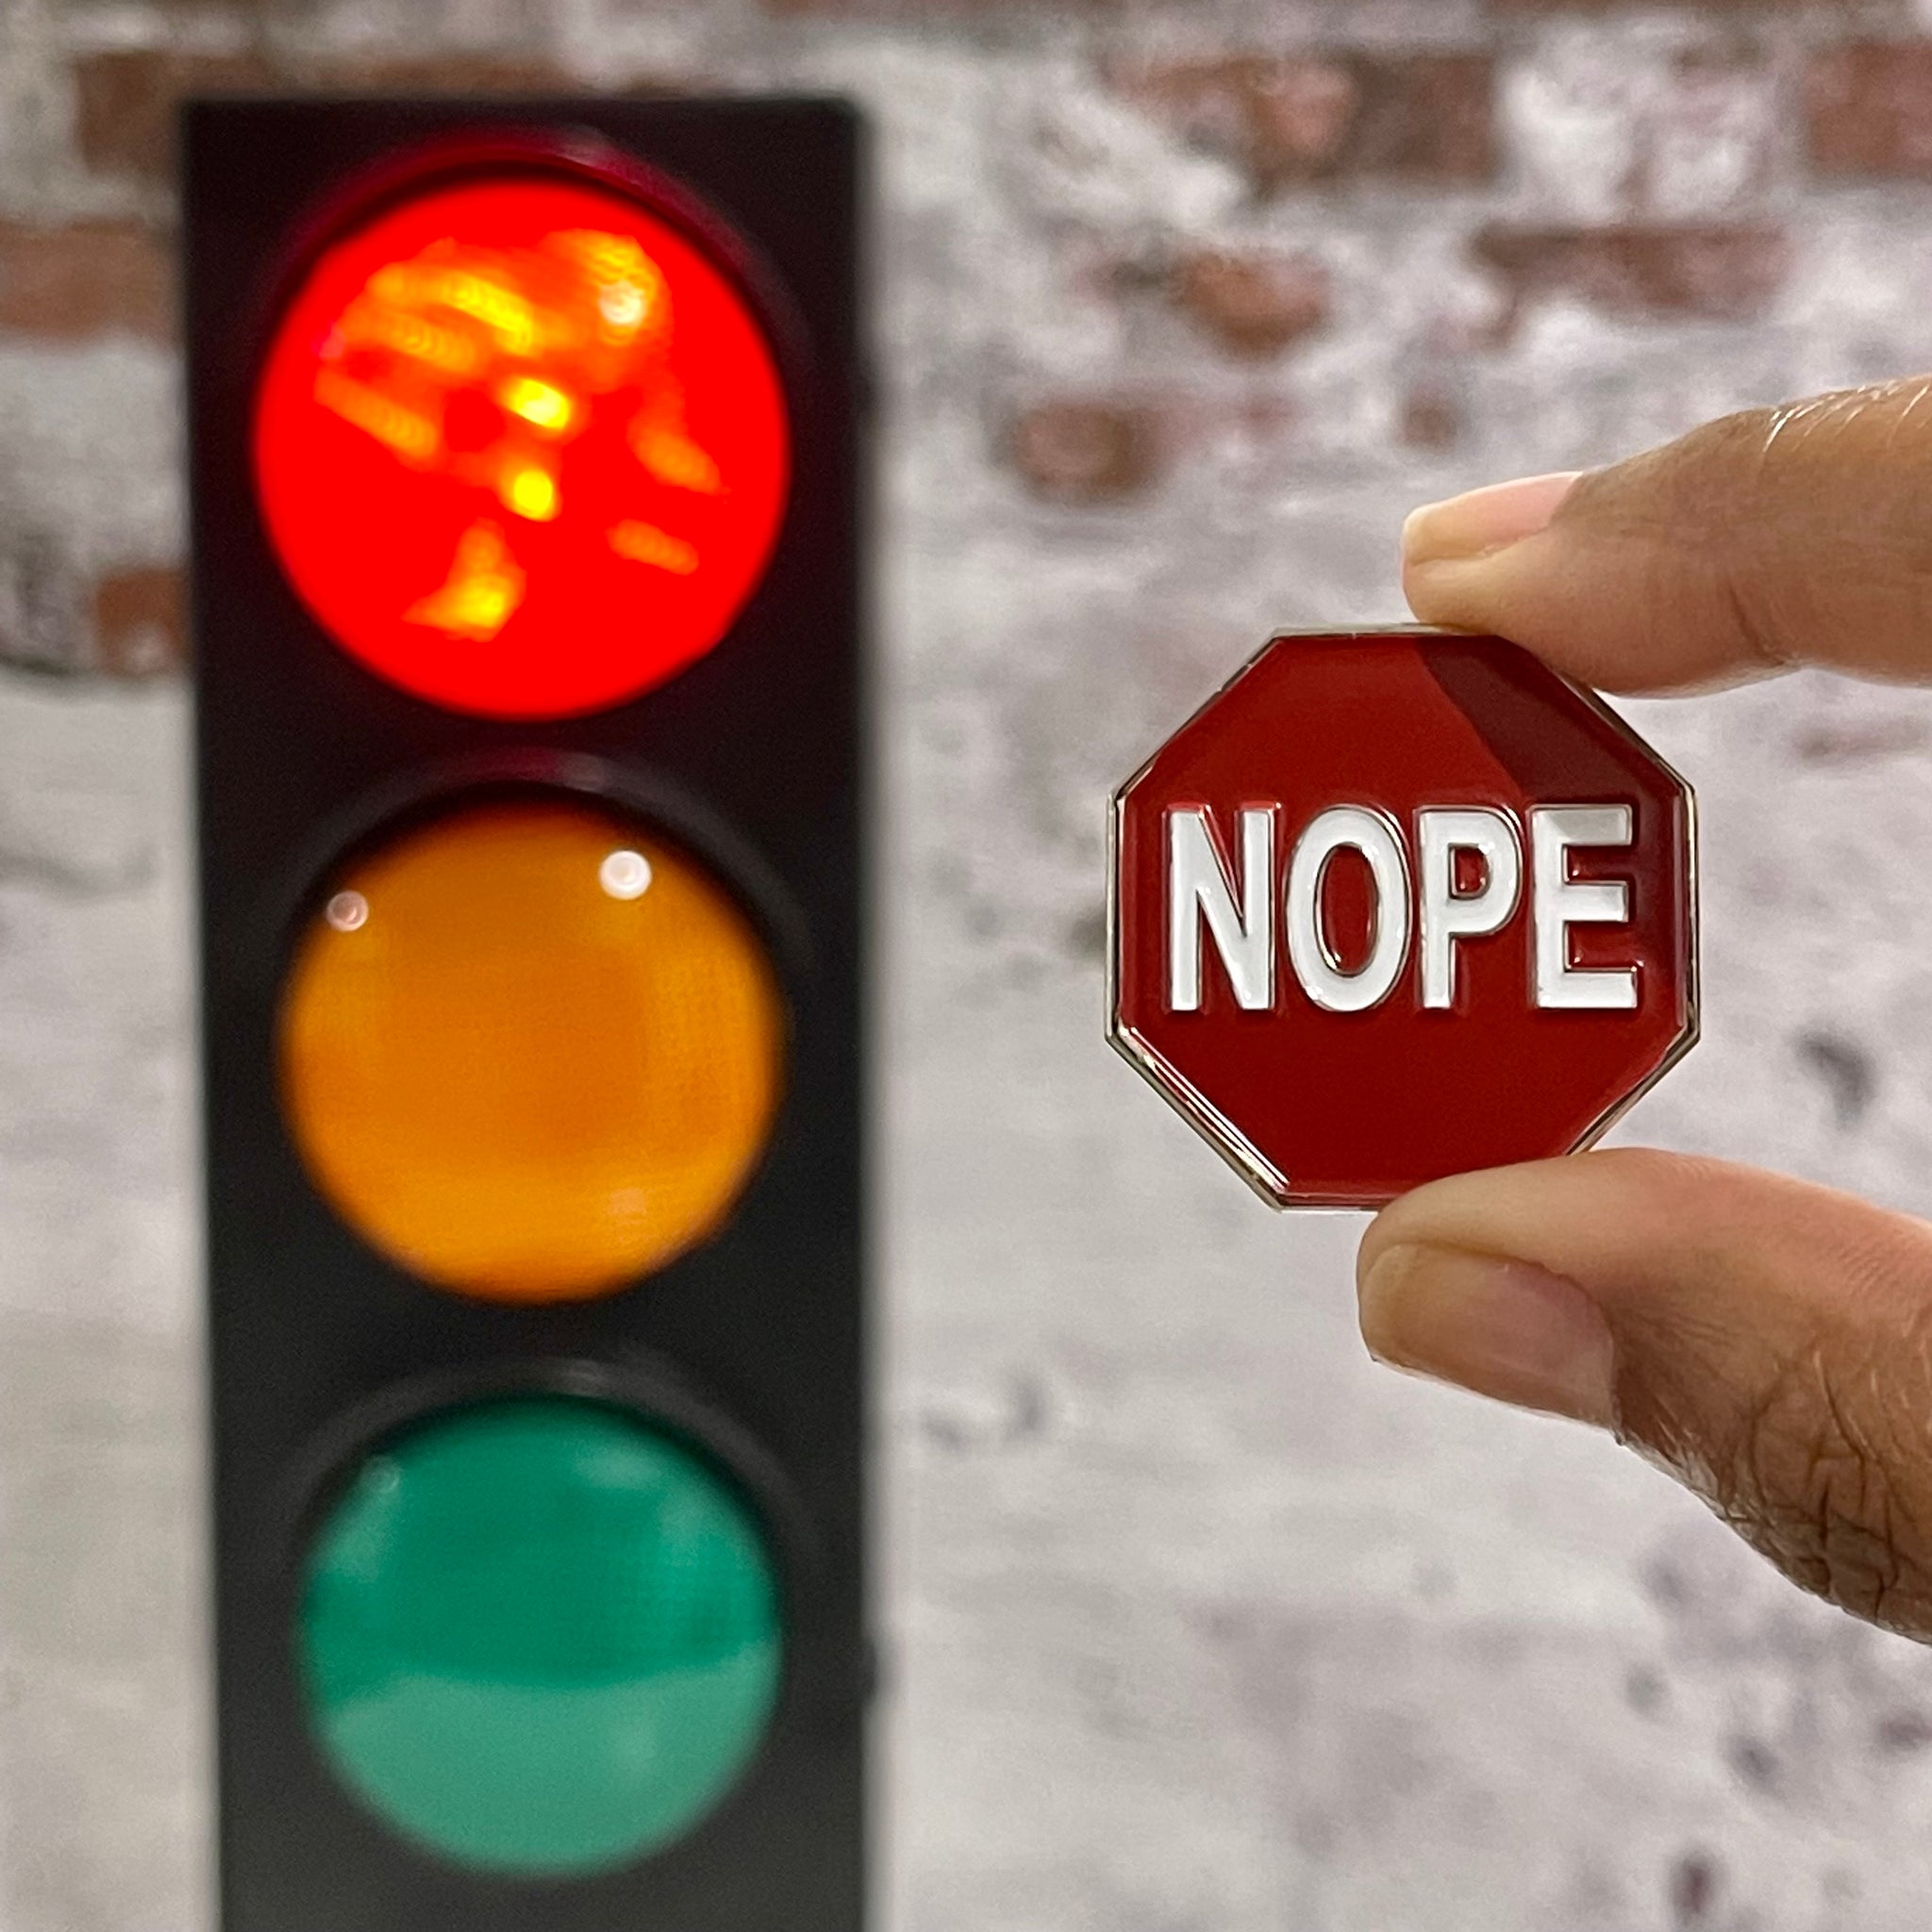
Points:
(626, 874)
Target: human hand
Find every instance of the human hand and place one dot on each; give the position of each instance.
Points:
(1767, 1343)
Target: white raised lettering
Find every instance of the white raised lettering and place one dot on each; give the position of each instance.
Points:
(1316, 966)
(1199, 890)
(1561, 903)
(1448, 915)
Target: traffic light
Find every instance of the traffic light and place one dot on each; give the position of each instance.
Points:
(527, 477)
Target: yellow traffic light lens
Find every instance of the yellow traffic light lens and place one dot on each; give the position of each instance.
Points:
(531, 1051)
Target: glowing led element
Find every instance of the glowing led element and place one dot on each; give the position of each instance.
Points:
(522, 446)
(673, 457)
(541, 1060)
(482, 592)
(647, 543)
(531, 492)
(540, 1636)
(541, 403)
(412, 437)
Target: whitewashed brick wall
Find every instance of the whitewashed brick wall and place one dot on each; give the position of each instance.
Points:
(1199, 1624)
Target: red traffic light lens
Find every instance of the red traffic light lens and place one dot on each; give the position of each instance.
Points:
(522, 448)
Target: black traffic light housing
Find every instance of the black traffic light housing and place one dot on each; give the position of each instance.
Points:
(753, 1346)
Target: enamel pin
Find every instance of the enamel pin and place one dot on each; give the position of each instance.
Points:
(1393, 905)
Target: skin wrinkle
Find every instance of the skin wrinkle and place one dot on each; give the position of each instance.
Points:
(1750, 588)
(1876, 541)
(1657, 1414)
(1685, 501)
(1771, 637)
(1887, 1402)
(1798, 1496)
(1907, 1421)
(1759, 639)
(1883, 1553)
(1792, 1464)
(1896, 1407)
(1860, 1563)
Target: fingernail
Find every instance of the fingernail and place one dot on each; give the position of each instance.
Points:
(1502, 1328)
(1484, 521)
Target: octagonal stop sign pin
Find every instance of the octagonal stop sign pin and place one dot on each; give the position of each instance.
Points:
(1393, 905)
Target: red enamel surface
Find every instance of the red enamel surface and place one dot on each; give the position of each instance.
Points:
(1352, 1108)
(521, 446)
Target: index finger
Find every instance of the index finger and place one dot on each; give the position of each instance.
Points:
(1801, 534)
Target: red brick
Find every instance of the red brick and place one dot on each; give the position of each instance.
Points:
(1721, 272)
(1087, 451)
(1427, 117)
(141, 624)
(1430, 420)
(125, 99)
(124, 102)
(445, 74)
(1253, 304)
(923, 9)
(1301, 118)
(1730, 7)
(1868, 110)
(88, 278)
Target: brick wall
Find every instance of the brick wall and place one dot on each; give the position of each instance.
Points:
(1197, 1622)
(1303, 235)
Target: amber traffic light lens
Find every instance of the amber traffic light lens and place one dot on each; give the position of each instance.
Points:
(522, 446)
(532, 1051)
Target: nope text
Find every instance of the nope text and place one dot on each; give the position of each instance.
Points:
(1465, 875)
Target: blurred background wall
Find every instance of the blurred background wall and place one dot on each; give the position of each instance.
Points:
(1198, 1623)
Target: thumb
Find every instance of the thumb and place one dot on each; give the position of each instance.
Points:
(1795, 534)
(1767, 1343)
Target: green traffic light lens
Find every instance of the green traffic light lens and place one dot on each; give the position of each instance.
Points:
(540, 1637)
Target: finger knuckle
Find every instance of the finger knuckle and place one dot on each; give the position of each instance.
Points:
(1829, 1494)
(1693, 508)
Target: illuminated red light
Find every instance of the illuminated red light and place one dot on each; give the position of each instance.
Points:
(522, 448)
